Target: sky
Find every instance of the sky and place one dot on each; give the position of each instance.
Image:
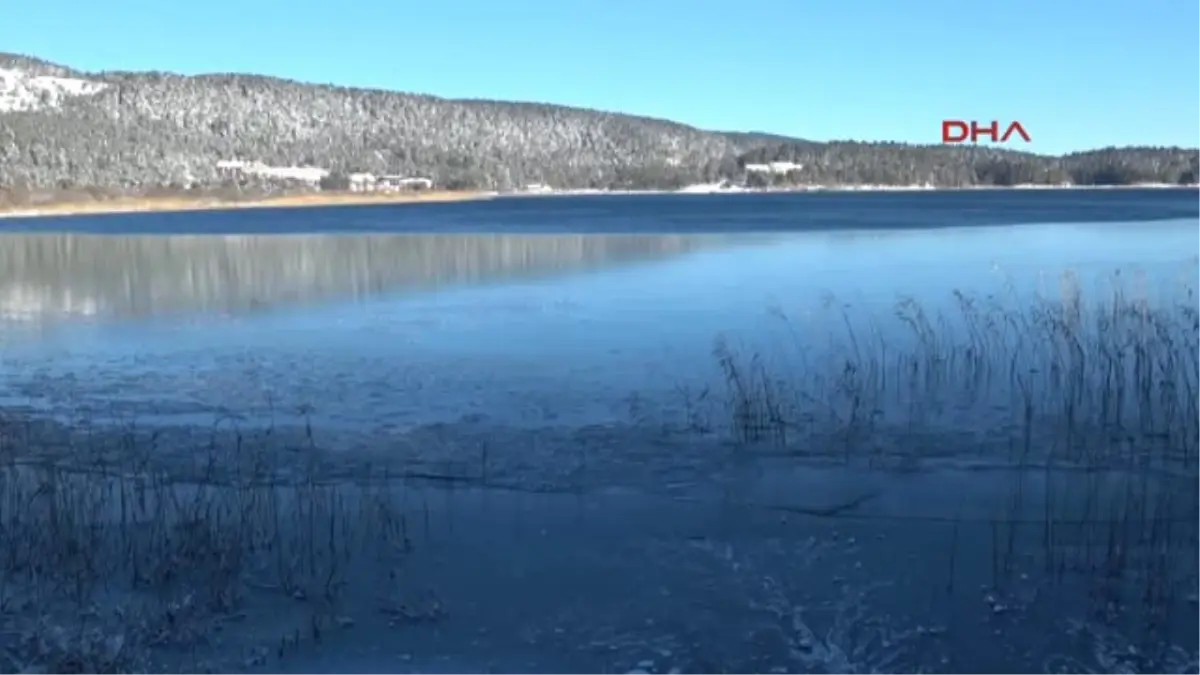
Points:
(1076, 74)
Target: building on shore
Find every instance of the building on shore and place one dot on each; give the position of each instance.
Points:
(362, 182)
(368, 182)
(239, 170)
(397, 183)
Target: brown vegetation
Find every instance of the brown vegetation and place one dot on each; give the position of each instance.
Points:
(18, 202)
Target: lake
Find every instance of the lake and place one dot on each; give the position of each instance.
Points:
(639, 398)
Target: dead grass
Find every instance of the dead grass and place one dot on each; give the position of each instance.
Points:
(82, 204)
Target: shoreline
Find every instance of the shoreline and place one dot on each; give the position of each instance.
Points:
(175, 204)
(715, 189)
(182, 204)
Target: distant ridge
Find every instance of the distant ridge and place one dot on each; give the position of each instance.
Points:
(61, 128)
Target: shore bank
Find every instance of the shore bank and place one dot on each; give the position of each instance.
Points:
(145, 204)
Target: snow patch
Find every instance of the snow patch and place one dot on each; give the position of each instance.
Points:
(710, 188)
(20, 91)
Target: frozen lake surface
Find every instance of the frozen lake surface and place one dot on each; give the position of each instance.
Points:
(800, 432)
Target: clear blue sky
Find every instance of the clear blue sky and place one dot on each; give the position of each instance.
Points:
(1077, 73)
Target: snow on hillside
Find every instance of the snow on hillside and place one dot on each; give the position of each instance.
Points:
(21, 91)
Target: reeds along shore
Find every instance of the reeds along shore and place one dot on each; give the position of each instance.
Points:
(1107, 385)
(108, 569)
(1110, 378)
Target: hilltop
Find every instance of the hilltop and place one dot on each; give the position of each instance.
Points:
(65, 129)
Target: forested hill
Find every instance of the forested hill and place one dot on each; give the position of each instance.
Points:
(61, 128)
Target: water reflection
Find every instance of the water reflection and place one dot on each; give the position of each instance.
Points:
(568, 351)
(47, 275)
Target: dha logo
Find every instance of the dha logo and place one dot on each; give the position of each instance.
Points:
(958, 131)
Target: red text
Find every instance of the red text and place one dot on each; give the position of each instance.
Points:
(958, 131)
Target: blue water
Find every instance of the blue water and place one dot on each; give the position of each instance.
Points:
(577, 336)
(571, 353)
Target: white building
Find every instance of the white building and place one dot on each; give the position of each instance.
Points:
(237, 168)
(362, 182)
(369, 182)
(403, 183)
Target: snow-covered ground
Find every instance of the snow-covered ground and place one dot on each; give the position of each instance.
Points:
(21, 91)
(711, 188)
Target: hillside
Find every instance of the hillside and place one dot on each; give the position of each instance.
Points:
(65, 129)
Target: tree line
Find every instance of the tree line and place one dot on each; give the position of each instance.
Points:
(963, 166)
